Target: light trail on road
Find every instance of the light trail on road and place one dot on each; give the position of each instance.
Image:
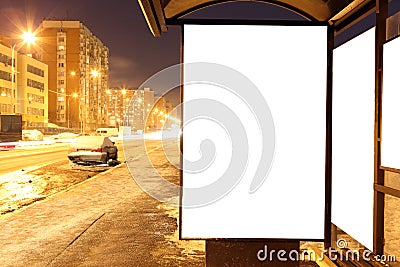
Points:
(15, 160)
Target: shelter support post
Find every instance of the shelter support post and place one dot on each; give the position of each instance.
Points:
(379, 197)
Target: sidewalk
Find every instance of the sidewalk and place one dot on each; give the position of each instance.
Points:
(104, 221)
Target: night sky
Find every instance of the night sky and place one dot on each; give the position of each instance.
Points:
(135, 54)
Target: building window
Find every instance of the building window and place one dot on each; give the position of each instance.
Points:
(35, 111)
(5, 92)
(61, 39)
(61, 82)
(61, 65)
(32, 98)
(35, 70)
(4, 75)
(6, 109)
(61, 47)
(60, 99)
(6, 60)
(35, 84)
(61, 73)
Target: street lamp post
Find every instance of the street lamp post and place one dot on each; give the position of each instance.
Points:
(28, 38)
(13, 95)
(95, 75)
(74, 95)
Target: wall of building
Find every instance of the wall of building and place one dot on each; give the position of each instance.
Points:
(118, 101)
(7, 88)
(32, 91)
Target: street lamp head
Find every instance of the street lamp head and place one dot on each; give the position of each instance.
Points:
(75, 95)
(95, 73)
(123, 91)
(28, 37)
(73, 73)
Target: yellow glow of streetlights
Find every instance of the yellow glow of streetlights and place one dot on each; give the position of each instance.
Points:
(108, 91)
(123, 91)
(95, 73)
(73, 73)
(28, 37)
(75, 95)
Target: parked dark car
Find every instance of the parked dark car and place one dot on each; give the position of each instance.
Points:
(93, 150)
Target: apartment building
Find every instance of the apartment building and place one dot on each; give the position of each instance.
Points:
(118, 103)
(25, 91)
(78, 66)
(32, 91)
(142, 103)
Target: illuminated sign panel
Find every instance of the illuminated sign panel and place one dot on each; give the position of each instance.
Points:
(353, 137)
(257, 99)
(390, 105)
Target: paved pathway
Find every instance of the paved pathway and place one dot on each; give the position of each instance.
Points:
(104, 221)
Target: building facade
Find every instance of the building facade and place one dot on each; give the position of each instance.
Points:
(32, 91)
(129, 107)
(78, 74)
(140, 108)
(118, 103)
(7, 82)
(24, 92)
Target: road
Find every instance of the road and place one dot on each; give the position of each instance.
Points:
(14, 160)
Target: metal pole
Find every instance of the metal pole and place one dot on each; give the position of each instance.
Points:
(68, 109)
(379, 174)
(12, 77)
(84, 105)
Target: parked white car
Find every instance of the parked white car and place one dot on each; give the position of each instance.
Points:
(32, 135)
(93, 150)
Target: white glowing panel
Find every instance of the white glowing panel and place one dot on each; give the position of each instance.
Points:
(353, 137)
(288, 66)
(390, 105)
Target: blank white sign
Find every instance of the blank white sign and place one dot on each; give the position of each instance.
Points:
(390, 105)
(353, 137)
(288, 65)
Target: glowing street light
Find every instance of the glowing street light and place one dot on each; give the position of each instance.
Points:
(28, 37)
(95, 73)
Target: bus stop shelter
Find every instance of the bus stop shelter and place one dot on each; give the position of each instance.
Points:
(338, 16)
